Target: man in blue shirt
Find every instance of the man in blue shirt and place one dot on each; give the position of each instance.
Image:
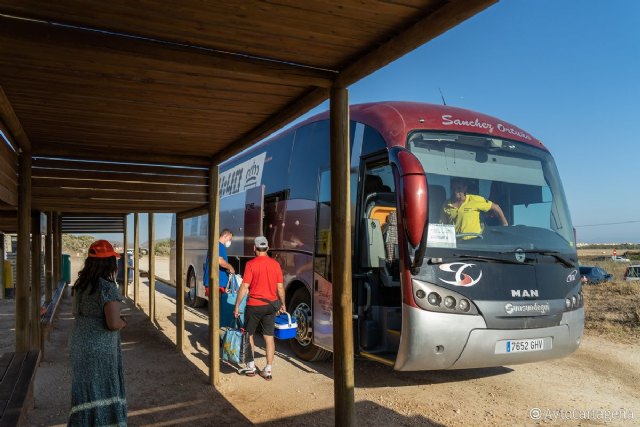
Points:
(225, 268)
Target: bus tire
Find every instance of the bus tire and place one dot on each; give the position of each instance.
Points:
(302, 345)
(191, 297)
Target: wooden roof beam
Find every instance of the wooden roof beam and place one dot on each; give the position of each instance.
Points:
(9, 118)
(434, 24)
(33, 28)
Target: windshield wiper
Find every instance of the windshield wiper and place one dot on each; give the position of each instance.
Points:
(473, 257)
(566, 262)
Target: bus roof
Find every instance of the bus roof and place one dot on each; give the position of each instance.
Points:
(396, 119)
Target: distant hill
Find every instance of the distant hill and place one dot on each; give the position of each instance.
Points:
(79, 245)
(72, 244)
(617, 246)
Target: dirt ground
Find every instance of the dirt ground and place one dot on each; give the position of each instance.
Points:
(164, 388)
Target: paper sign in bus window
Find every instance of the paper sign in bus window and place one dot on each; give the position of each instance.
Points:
(242, 177)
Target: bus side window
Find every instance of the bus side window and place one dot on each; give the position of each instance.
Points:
(372, 141)
(310, 154)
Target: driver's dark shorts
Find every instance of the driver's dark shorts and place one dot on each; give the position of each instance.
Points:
(263, 315)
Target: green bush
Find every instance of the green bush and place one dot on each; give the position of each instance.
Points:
(73, 244)
(163, 247)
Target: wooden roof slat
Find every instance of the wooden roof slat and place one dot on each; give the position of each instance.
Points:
(116, 177)
(63, 148)
(119, 185)
(120, 113)
(107, 206)
(119, 167)
(117, 195)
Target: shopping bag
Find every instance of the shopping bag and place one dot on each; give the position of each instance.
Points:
(228, 301)
(235, 345)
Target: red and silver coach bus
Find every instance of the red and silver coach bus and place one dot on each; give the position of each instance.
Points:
(425, 296)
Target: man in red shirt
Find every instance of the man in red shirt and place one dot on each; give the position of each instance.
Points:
(263, 281)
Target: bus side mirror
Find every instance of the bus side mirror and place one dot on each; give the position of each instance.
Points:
(412, 195)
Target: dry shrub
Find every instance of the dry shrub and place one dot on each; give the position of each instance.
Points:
(612, 309)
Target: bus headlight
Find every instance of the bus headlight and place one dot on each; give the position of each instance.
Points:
(574, 301)
(436, 295)
(449, 302)
(567, 303)
(434, 299)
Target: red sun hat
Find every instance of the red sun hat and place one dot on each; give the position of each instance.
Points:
(102, 249)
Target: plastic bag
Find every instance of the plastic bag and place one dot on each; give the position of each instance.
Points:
(235, 345)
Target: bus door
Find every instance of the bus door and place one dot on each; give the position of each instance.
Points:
(377, 257)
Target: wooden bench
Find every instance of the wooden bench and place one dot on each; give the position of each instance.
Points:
(17, 371)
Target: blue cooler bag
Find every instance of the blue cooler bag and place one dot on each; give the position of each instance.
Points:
(228, 302)
(285, 327)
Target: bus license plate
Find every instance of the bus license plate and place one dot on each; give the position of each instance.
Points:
(519, 346)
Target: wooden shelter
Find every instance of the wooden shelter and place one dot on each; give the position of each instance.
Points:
(119, 107)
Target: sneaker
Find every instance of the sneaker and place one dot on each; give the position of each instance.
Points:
(248, 372)
(266, 375)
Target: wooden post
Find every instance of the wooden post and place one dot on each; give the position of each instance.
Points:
(136, 256)
(59, 248)
(48, 261)
(152, 272)
(343, 383)
(179, 283)
(22, 257)
(36, 285)
(3, 285)
(214, 277)
(125, 289)
(55, 251)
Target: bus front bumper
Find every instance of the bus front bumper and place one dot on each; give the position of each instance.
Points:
(431, 341)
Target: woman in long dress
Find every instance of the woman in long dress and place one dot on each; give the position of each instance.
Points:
(97, 389)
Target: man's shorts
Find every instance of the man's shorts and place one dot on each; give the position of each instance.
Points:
(264, 315)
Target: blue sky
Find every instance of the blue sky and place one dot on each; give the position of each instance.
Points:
(566, 71)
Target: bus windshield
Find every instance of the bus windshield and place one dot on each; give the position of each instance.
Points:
(491, 194)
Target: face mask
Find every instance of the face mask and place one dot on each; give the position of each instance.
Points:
(227, 243)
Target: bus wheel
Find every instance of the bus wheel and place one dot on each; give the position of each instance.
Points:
(302, 345)
(191, 297)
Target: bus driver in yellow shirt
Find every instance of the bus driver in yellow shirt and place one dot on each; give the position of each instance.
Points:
(464, 209)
